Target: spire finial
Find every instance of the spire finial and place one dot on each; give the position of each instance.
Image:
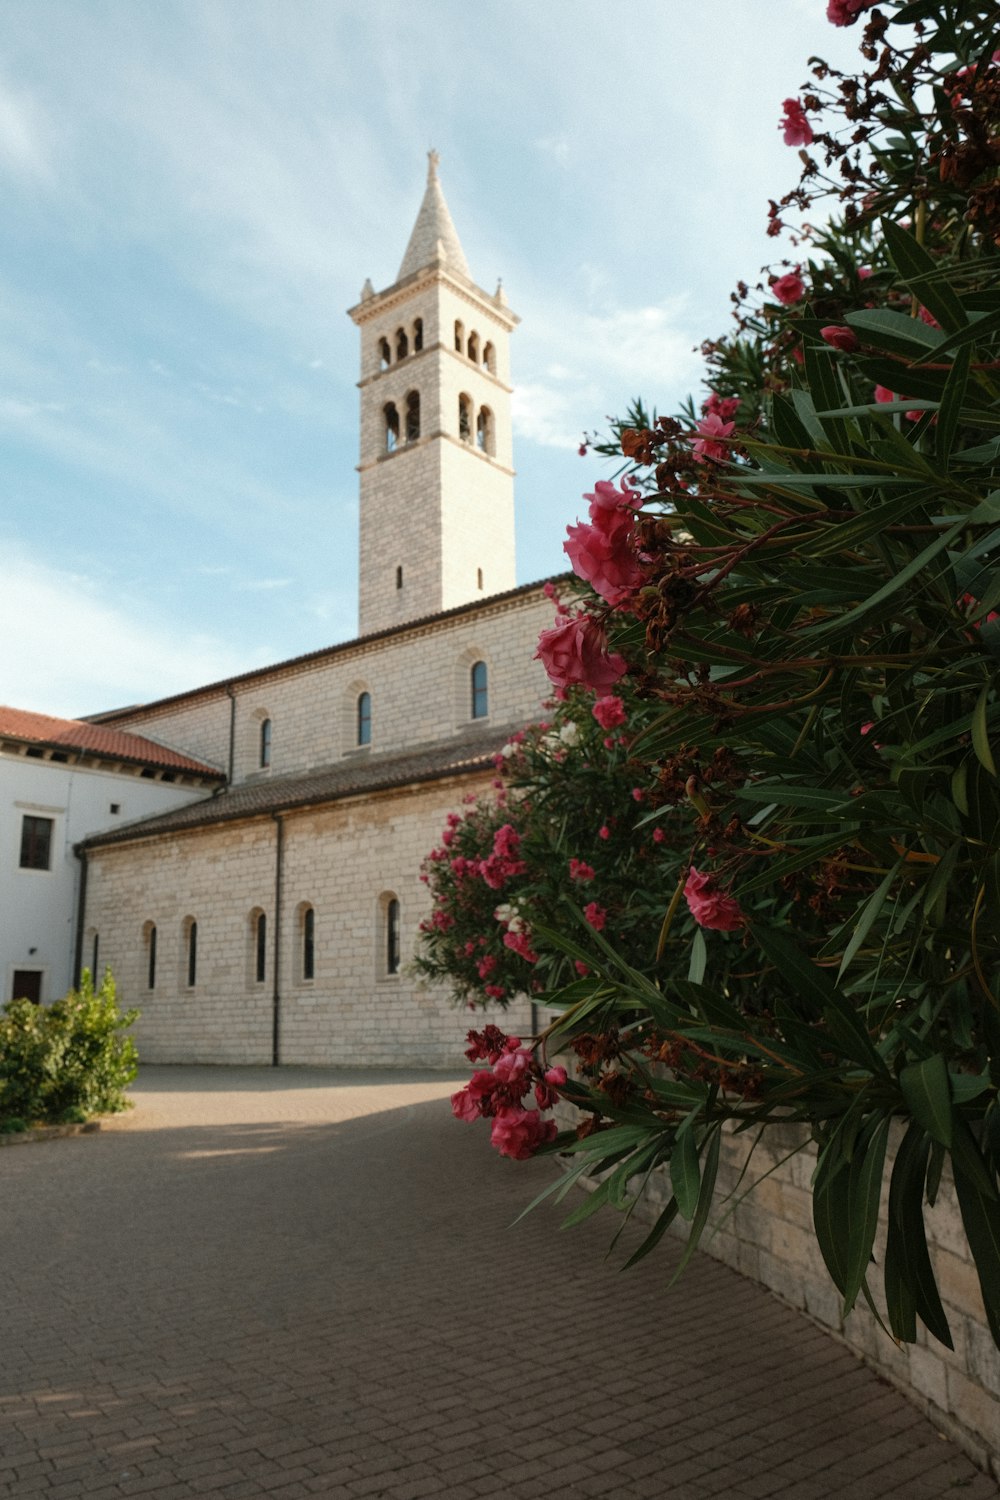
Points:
(433, 162)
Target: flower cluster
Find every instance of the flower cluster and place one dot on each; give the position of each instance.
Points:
(604, 553)
(498, 1093)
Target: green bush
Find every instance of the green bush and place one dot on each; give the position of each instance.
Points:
(66, 1061)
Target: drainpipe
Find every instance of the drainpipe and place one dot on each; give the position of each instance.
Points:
(81, 914)
(232, 731)
(279, 855)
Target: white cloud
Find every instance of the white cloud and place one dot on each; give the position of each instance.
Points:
(23, 147)
(69, 652)
(603, 360)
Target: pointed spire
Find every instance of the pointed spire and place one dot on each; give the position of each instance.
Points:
(434, 236)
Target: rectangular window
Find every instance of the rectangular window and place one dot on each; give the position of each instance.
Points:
(309, 944)
(36, 843)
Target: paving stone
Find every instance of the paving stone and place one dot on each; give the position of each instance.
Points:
(287, 1284)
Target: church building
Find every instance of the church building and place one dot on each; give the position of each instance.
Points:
(271, 918)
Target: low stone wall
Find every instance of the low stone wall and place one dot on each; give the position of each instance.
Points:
(769, 1237)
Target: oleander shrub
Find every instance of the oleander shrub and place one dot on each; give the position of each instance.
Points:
(793, 603)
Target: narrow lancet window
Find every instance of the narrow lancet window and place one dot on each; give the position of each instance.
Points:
(418, 335)
(480, 695)
(465, 419)
(151, 956)
(474, 348)
(260, 953)
(265, 744)
(391, 416)
(392, 936)
(484, 431)
(365, 719)
(308, 943)
(490, 358)
(459, 338)
(384, 354)
(192, 954)
(413, 416)
(402, 344)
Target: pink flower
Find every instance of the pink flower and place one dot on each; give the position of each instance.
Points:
(789, 288)
(464, 1107)
(882, 393)
(658, 835)
(839, 336)
(864, 272)
(609, 712)
(710, 907)
(520, 943)
(604, 832)
(519, 1132)
(575, 650)
(595, 915)
(513, 1066)
(579, 870)
(846, 12)
(581, 968)
(606, 499)
(712, 428)
(724, 407)
(495, 991)
(929, 318)
(605, 558)
(555, 1077)
(582, 450)
(796, 128)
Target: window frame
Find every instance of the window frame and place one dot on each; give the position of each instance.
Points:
(479, 690)
(29, 857)
(363, 721)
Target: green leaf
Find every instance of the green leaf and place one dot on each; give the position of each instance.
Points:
(980, 733)
(981, 1219)
(922, 275)
(950, 409)
(809, 982)
(685, 1174)
(712, 1145)
(663, 1222)
(866, 920)
(912, 1278)
(699, 958)
(895, 332)
(925, 1089)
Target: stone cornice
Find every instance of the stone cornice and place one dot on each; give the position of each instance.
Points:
(421, 442)
(404, 291)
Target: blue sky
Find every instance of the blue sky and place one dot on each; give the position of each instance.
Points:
(194, 192)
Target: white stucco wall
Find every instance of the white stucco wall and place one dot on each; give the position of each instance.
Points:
(38, 907)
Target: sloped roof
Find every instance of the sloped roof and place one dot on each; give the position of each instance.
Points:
(356, 775)
(95, 739)
(434, 227)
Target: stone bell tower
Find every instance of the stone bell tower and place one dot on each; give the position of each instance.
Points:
(437, 482)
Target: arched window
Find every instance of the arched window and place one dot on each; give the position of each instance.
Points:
(191, 934)
(402, 344)
(479, 578)
(265, 744)
(149, 934)
(418, 335)
(392, 936)
(413, 416)
(474, 348)
(260, 947)
(95, 948)
(465, 418)
(484, 430)
(490, 358)
(308, 943)
(384, 354)
(399, 575)
(480, 694)
(391, 417)
(364, 736)
(459, 337)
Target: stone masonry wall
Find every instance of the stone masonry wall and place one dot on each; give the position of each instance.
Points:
(417, 680)
(343, 861)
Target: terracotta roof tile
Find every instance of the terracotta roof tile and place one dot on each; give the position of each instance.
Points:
(95, 739)
(356, 775)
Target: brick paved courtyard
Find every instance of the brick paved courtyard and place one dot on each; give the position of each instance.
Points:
(302, 1283)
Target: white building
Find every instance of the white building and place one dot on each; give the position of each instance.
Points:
(60, 780)
(274, 921)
